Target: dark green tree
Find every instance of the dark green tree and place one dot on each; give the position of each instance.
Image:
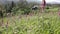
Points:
(10, 7)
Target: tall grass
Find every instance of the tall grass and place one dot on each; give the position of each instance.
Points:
(44, 23)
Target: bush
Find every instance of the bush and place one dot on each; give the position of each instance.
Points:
(26, 10)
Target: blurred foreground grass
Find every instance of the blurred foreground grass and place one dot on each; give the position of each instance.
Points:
(43, 23)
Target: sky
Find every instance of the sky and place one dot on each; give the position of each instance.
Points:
(37, 0)
(48, 1)
(53, 1)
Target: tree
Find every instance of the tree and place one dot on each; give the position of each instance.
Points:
(9, 7)
(24, 6)
(1, 13)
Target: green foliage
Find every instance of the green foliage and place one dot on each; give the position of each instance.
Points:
(33, 25)
(44, 23)
(26, 11)
(9, 7)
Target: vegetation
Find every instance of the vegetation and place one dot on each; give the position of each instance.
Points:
(24, 20)
(39, 24)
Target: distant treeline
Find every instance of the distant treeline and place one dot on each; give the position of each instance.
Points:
(21, 7)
